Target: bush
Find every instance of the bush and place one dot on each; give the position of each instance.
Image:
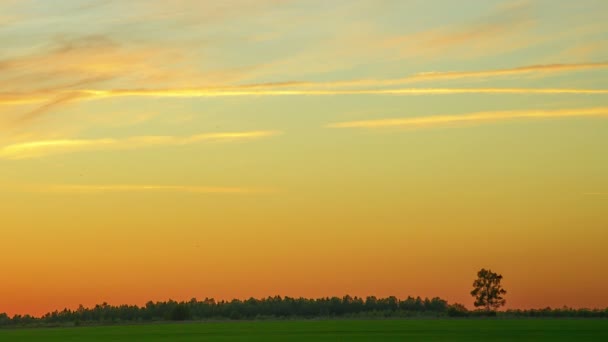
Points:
(457, 310)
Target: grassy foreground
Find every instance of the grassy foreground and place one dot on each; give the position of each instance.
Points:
(331, 330)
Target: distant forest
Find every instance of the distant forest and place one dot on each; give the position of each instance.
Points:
(277, 308)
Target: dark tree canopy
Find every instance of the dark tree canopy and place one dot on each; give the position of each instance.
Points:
(487, 290)
(252, 308)
(274, 308)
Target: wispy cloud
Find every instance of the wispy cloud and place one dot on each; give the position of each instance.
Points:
(69, 63)
(478, 117)
(62, 99)
(34, 149)
(529, 69)
(585, 50)
(49, 76)
(51, 98)
(504, 29)
(61, 69)
(55, 74)
(539, 69)
(264, 91)
(236, 91)
(57, 96)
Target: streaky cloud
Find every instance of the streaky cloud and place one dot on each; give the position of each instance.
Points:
(227, 136)
(540, 68)
(543, 69)
(51, 99)
(60, 100)
(36, 149)
(54, 97)
(248, 91)
(207, 92)
(477, 117)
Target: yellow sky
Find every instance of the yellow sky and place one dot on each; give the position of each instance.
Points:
(153, 150)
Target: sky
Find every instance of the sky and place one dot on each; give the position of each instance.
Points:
(155, 150)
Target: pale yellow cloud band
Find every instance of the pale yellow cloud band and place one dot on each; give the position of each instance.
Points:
(401, 91)
(308, 88)
(42, 148)
(543, 69)
(439, 120)
(241, 92)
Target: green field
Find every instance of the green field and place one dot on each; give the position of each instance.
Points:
(331, 330)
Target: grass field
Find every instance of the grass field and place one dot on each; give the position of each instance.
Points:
(331, 330)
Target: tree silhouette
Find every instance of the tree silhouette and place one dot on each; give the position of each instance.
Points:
(487, 290)
(275, 308)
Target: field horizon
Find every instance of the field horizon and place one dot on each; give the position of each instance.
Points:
(279, 308)
(330, 330)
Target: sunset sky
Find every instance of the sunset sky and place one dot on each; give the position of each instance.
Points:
(157, 149)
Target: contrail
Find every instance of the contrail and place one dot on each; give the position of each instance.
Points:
(438, 120)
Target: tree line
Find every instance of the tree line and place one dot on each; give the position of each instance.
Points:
(208, 309)
(487, 291)
(276, 308)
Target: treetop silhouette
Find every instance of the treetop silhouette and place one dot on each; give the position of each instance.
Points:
(488, 291)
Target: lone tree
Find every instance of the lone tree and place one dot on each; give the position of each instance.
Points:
(487, 290)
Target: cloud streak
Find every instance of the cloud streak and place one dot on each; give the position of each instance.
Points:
(236, 92)
(471, 118)
(529, 69)
(248, 91)
(36, 149)
(543, 69)
(504, 29)
(60, 100)
(58, 96)
(51, 98)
